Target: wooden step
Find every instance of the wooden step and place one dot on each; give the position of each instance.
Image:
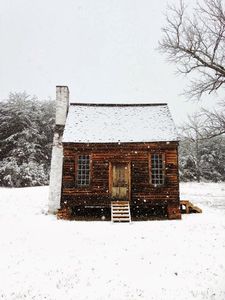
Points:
(120, 205)
(120, 211)
(121, 214)
(121, 220)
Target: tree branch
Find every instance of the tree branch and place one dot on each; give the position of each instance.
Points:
(196, 44)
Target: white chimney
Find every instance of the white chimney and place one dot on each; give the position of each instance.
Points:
(55, 186)
(62, 104)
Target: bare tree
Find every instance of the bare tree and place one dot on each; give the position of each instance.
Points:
(192, 134)
(196, 44)
(214, 121)
(200, 158)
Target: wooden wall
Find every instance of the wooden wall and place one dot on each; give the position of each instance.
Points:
(142, 192)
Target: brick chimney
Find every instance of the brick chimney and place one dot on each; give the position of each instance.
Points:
(62, 105)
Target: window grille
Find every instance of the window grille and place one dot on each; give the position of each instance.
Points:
(83, 170)
(157, 169)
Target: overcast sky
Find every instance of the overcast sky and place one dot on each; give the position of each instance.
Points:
(104, 50)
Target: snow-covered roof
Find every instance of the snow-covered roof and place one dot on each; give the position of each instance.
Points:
(113, 123)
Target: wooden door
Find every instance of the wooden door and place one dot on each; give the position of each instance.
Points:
(120, 181)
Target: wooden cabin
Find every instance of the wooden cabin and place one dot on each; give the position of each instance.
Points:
(122, 158)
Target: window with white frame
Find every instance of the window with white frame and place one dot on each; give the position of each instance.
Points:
(157, 169)
(83, 170)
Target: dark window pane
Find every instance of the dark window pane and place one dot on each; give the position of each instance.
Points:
(157, 175)
(83, 170)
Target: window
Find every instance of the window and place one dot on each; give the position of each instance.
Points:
(83, 170)
(157, 169)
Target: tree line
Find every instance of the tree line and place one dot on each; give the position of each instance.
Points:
(202, 146)
(26, 134)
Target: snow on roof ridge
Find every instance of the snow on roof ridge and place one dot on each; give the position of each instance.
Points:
(118, 104)
(103, 123)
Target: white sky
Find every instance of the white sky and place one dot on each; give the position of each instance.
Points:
(104, 50)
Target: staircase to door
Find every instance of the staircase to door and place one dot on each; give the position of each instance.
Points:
(120, 211)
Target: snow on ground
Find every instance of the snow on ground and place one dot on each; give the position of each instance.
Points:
(44, 258)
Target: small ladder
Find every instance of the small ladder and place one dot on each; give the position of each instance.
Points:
(189, 207)
(120, 211)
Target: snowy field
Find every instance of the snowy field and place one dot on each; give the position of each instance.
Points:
(44, 258)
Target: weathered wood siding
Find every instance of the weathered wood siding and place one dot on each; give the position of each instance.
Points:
(142, 192)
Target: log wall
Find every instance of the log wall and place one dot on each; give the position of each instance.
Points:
(138, 155)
